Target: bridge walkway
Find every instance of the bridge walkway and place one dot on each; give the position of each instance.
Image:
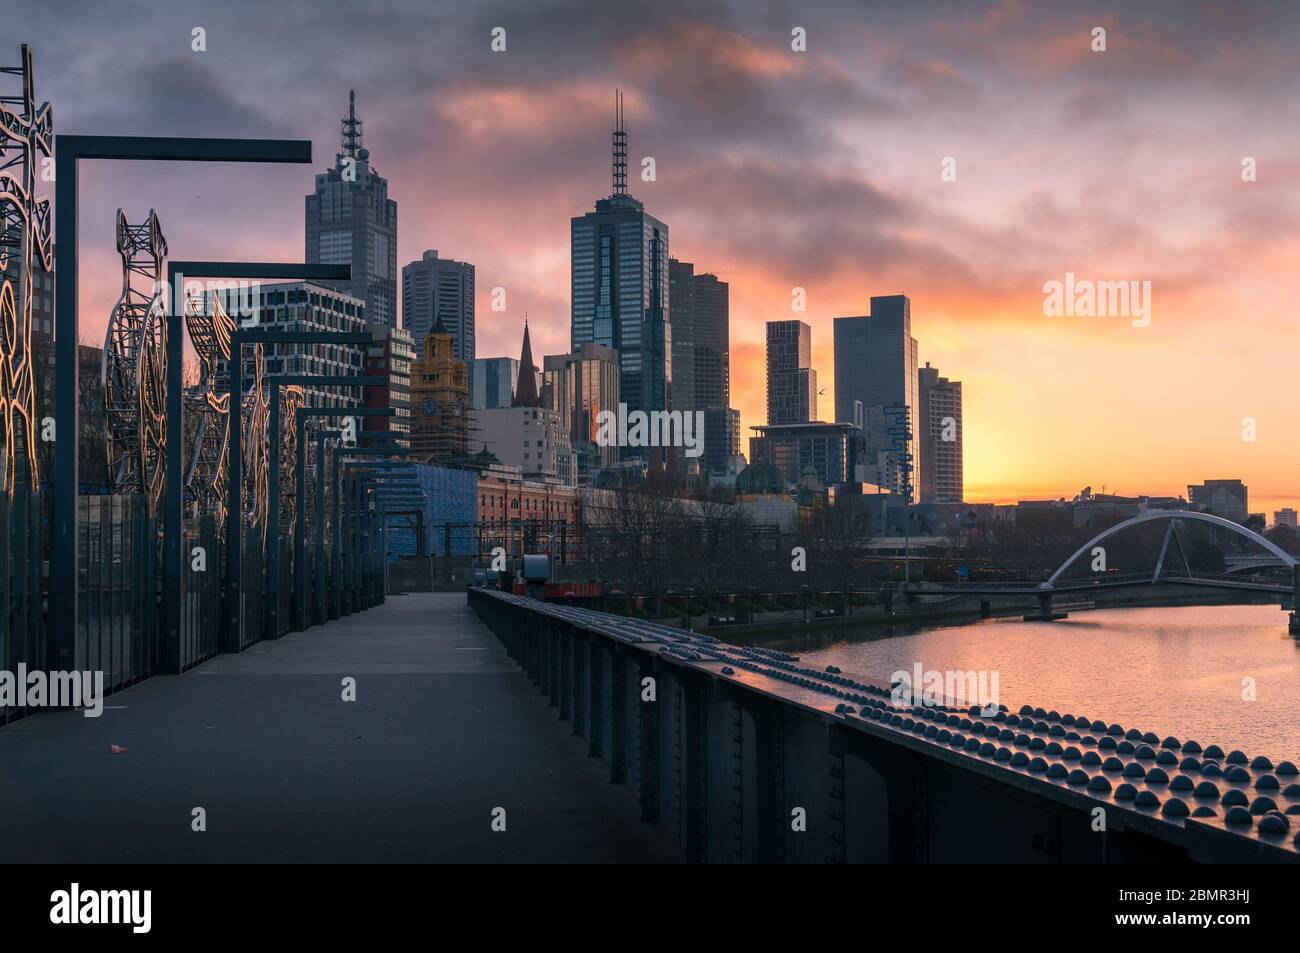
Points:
(444, 729)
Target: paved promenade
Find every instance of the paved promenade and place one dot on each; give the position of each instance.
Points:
(444, 729)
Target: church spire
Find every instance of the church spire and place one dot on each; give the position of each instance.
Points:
(526, 385)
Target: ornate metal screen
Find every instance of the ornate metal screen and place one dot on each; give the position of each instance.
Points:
(26, 133)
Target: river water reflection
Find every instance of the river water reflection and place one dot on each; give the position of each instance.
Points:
(1178, 671)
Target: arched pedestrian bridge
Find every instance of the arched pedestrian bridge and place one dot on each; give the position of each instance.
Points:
(1171, 568)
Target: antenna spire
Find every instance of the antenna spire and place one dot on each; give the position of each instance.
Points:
(620, 146)
(351, 127)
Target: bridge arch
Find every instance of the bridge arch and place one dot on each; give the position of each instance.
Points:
(1152, 515)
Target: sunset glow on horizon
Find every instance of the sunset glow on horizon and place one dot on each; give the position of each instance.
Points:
(817, 170)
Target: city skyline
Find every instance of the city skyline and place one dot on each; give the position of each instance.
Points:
(489, 158)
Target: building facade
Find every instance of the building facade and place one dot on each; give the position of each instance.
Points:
(307, 306)
(350, 220)
(791, 381)
(440, 290)
(941, 432)
(531, 439)
(829, 448)
(876, 366)
(578, 387)
(441, 425)
(1227, 498)
(390, 356)
(721, 439)
(492, 381)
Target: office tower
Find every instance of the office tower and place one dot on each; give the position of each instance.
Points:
(389, 356)
(438, 290)
(441, 428)
(876, 365)
(351, 220)
(680, 298)
(492, 381)
(1286, 516)
(701, 362)
(709, 300)
(791, 381)
(721, 438)
(578, 387)
(941, 429)
(1226, 498)
(620, 286)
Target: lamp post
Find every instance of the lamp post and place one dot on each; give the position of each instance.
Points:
(278, 381)
(69, 151)
(300, 561)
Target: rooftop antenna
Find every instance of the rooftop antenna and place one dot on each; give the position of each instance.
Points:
(620, 146)
(351, 128)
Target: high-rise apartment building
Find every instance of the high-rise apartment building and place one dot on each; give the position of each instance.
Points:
(439, 290)
(941, 428)
(876, 366)
(352, 221)
(791, 381)
(620, 287)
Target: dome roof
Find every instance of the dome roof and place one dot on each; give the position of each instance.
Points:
(760, 478)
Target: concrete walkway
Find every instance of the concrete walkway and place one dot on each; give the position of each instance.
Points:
(444, 729)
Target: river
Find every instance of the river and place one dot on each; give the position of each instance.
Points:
(1180, 671)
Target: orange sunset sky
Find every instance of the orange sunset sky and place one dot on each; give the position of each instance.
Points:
(777, 169)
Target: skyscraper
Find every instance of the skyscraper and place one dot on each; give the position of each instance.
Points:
(440, 290)
(578, 387)
(711, 313)
(701, 362)
(941, 429)
(351, 220)
(620, 286)
(876, 365)
(791, 381)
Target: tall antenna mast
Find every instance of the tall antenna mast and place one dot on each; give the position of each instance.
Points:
(620, 146)
(351, 127)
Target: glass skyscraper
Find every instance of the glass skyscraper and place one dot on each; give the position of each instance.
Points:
(876, 366)
(620, 289)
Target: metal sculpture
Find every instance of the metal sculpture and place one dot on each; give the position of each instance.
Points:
(134, 368)
(291, 398)
(256, 447)
(207, 404)
(26, 133)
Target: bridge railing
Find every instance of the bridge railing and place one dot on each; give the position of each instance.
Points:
(744, 754)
